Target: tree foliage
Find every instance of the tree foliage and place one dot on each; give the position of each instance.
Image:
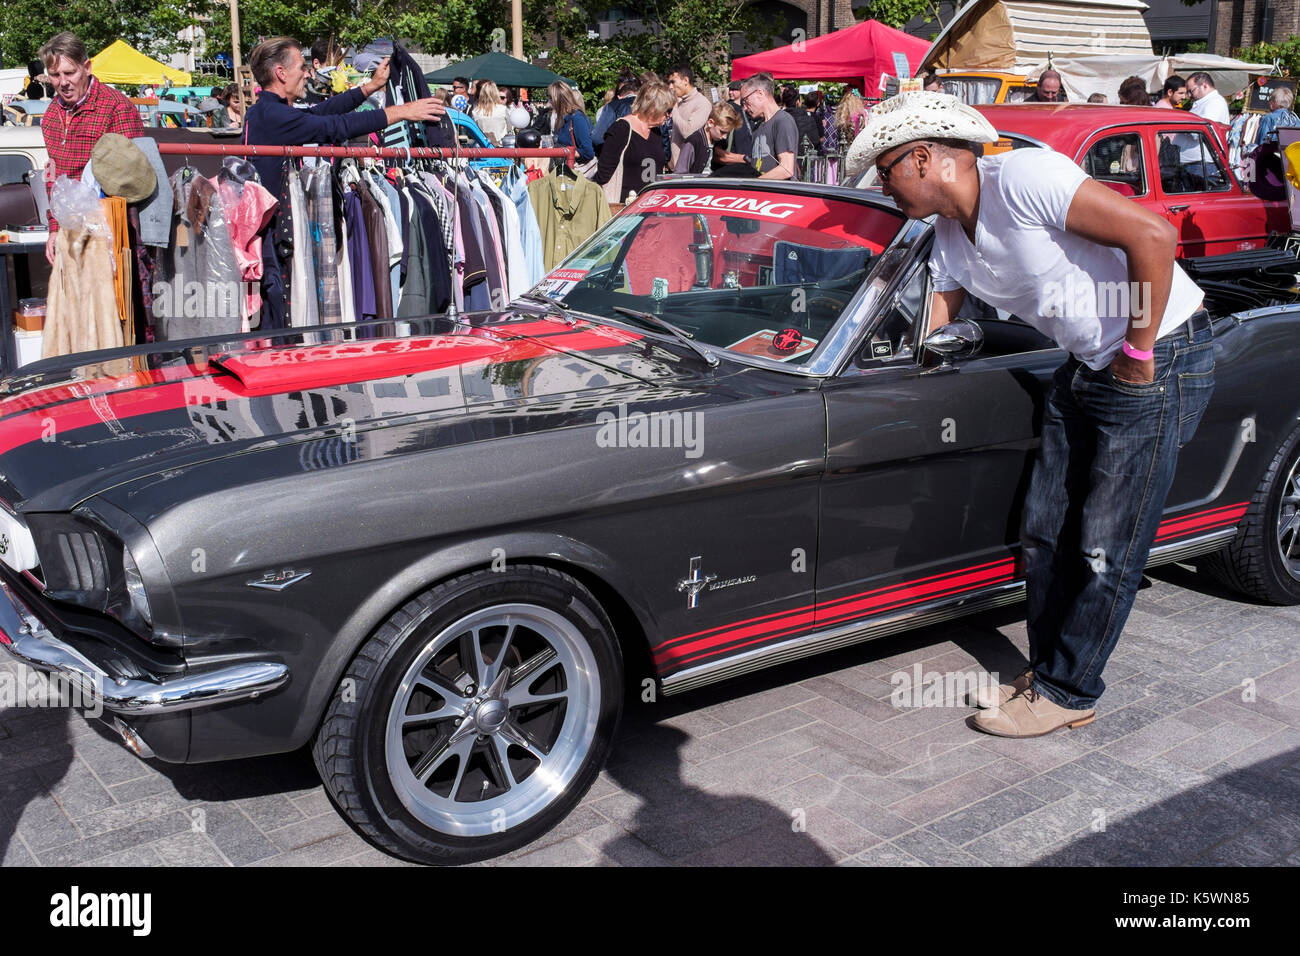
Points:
(696, 33)
(897, 13)
(150, 26)
(453, 27)
(693, 32)
(1287, 53)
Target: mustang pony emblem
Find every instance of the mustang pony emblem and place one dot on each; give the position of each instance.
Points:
(694, 584)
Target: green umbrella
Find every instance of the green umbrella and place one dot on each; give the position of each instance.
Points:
(501, 68)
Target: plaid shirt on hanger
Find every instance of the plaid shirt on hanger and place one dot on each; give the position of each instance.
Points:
(71, 133)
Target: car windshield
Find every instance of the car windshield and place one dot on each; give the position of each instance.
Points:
(761, 273)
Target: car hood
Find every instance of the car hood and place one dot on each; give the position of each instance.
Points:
(75, 431)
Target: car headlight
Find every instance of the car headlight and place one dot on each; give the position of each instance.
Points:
(135, 587)
(81, 562)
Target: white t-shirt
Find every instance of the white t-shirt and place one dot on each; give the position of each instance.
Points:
(494, 123)
(1071, 289)
(1213, 107)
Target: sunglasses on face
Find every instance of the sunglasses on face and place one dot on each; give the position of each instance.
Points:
(883, 172)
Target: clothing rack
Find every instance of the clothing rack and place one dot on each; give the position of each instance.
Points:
(567, 153)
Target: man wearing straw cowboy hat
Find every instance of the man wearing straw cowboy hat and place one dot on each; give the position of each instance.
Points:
(1028, 232)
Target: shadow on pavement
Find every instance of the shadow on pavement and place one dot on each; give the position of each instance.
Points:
(36, 752)
(676, 822)
(1248, 817)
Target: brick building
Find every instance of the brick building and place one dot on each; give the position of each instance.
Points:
(1239, 23)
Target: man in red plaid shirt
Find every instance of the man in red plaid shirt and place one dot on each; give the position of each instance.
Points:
(84, 109)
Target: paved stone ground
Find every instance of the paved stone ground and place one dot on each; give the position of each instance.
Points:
(807, 764)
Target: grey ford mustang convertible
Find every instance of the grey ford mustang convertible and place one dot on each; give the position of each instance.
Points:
(716, 439)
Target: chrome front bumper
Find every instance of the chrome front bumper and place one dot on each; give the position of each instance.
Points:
(26, 639)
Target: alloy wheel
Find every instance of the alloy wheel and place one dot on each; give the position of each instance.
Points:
(492, 719)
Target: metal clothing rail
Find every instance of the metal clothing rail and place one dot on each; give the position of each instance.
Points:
(566, 153)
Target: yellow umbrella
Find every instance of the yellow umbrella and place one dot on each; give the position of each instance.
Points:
(119, 62)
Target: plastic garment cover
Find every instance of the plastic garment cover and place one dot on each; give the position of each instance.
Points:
(75, 205)
(81, 312)
(318, 185)
(199, 290)
(249, 211)
(302, 286)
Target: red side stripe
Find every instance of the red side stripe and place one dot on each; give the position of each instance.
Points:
(796, 621)
(960, 572)
(696, 658)
(698, 645)
(1201, 521)
(772, 618)
(874, 601)
(914, 595)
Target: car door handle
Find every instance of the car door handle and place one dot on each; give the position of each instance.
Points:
(1181, 208)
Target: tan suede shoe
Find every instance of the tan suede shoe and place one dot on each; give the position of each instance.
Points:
(1030, 714)
(984, 696)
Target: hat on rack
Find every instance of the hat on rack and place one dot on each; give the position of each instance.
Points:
(208, 104)
(910, 117)
(236, 169)
(122, 169)
(371, 55)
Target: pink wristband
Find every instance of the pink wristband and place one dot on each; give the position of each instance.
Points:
(1139, 354)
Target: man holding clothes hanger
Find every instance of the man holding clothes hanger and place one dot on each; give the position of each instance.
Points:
(282, 71)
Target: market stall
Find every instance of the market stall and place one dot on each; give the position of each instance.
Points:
(501, 68)
(415, 232)
(858, 56)
(119, 62)
(1020, 36)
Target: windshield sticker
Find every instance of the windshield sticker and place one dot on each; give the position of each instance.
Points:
(742, 212)
(768, 343)
(787, 340)
(560, 281)
(724, 202)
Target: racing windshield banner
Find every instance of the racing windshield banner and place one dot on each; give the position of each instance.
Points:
(830, 217)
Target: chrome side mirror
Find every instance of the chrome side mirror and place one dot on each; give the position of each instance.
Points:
(960, 338)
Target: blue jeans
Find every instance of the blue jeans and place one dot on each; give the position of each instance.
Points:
(1095, 499)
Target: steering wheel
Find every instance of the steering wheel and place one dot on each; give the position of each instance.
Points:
(819, 303)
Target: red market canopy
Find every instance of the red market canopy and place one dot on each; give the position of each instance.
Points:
(856, 55)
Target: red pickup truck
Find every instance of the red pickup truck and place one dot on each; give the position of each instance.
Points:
(1172, 162)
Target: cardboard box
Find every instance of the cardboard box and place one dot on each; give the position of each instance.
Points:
(30, 315)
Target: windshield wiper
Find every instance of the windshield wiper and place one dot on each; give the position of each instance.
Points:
(684, 337)
(551, 306)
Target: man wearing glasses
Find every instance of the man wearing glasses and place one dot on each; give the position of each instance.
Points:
(1208, 101)
(776, 139)
(1018, 230)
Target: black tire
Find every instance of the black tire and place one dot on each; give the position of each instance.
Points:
(370, 747)
(1252, 562)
